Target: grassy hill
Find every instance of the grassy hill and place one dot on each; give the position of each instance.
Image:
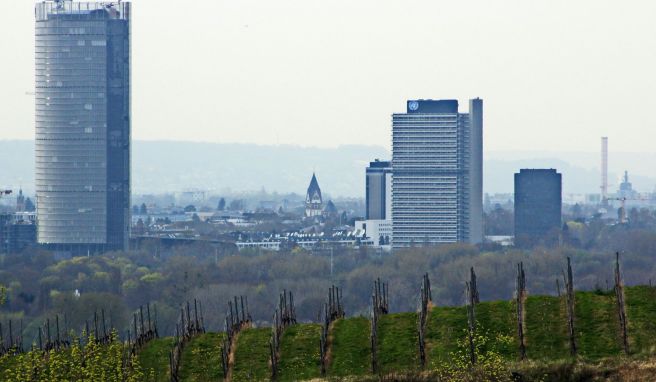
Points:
(597, 335)
(597, 327)
(154, 359)
(201, 358)
(350, 347)
(299, 353)
(251, 359)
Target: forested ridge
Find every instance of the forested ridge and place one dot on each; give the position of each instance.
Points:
(38, 286)
(41, 288)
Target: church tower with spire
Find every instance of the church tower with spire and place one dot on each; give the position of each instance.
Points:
(313, 201)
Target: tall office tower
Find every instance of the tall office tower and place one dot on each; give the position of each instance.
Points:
(437, 167)
(83, 125)
(379, 190)
(538, 206)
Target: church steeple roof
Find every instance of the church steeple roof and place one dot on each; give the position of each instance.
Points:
(330, 208)
(313, 191)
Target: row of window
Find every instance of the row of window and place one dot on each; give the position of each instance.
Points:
(71, 27)
(73, 58)
(65, 84)
(46, 43)
(90, 71)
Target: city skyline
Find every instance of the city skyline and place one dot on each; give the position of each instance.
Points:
(118, 255)
(594, 71)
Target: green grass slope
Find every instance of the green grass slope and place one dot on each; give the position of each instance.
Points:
(444, 328)
(641, 316)
(154, 358)
(597, 324)
(398, 343)
(350, 347)
(299, 353)
(497, 320)
(597, 334)
(546, 333)
(201, 358)
(251, 362)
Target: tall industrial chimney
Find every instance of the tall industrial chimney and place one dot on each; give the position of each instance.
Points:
(604, 170)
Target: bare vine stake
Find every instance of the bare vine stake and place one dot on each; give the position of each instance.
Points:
(570, 308)
(474, 286)
(471, 322)
(11, 337)
(185, 330)
(425, 298)
(332, 311)
(374, 335)
(283, 317)
(234, 323)
(521, 295)
(379, 306)
(621, 309)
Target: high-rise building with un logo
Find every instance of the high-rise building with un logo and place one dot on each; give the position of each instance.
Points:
(437, 173)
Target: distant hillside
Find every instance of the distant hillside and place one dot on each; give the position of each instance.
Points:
(160, 167)
(166, 166)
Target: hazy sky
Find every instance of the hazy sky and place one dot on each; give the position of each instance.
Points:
(554, 75)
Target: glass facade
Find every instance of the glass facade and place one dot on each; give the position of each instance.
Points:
(82, 122)
(437, 177)
(538, 205)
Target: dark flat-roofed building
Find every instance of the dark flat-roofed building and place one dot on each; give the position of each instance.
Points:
(538, 206)
(379, 190)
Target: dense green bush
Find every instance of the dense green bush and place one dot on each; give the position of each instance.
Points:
(92, 362)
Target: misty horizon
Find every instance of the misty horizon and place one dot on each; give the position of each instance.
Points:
(339, 170)
(554, 75)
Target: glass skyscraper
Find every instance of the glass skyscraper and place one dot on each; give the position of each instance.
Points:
(83, 125)
(538, 206)
(437, 166)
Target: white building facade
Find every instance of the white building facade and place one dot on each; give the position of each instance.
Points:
(379, 231)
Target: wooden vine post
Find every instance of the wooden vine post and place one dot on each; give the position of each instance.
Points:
(569, 295)
(332, 310)
(379, 306)
(236, 319)
(621, 308)
(186, 329)
(143, 333)
(471, 322)
(521, 298)
(53, 343)
(474, 286)
(283, 317)
(473, 298)
(424, 303)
